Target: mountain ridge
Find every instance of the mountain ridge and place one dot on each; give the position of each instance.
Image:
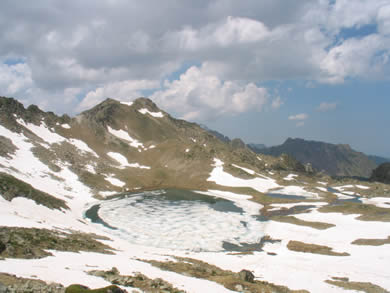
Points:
(333, 159)
(154, 149)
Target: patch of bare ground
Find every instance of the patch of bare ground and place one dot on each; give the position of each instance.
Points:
(296, 221)
(373, 242)
(33, 243)
(313, 248)
(269, 212)
(11, 283)
(242, 281)
(366, 212)
(359, 286)
(139, 281)
(249, 248)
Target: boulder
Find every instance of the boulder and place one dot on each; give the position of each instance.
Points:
(246, 276)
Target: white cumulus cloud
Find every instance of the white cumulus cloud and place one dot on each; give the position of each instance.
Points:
(198, 94)
(124, 91)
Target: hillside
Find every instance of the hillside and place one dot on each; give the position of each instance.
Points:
(335, 160)
(126, 194)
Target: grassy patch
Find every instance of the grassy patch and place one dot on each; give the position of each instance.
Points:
(359, 286)
(33, 243)
(10, 187)
(296, 221)
(313, 248)
(373, 242)
(228, 279)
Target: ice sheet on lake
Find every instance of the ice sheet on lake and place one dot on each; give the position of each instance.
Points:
(182, 225)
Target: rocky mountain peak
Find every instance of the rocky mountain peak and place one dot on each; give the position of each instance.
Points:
(146, 103)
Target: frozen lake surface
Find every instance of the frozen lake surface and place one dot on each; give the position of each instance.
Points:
(178, 219)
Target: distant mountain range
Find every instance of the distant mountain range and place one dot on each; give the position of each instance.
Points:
(333, 159)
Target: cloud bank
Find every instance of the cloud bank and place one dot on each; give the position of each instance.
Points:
(71, 55)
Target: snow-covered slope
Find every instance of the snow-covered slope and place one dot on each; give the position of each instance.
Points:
(265, 206)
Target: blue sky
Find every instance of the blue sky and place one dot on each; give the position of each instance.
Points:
(260, 70)
(359, 118)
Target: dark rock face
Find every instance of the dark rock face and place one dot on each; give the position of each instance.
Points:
(2, 247)
(237, 143)
(382, 173)
(246, 276)
(81, 289)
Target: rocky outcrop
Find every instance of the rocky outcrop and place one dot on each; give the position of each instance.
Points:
(34, 243)
(12, 284)
(11, 187)
(381, 173)
(83, 289)
(137, 281)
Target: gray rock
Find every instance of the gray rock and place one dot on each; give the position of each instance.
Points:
(246, 276)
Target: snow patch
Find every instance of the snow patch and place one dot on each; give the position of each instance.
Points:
(42, 131)
(114, 181)
(290, 177)
(249, 171)
(381, 202)
(362, 186)
(50, 137)
(65, 125)
(154, 114)
(219, 176)
(125, 136)
(296, 190)
(279, 206)
(322, 188)
(126, 103)
(90, 168)
(123, 161)
(82, 146)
